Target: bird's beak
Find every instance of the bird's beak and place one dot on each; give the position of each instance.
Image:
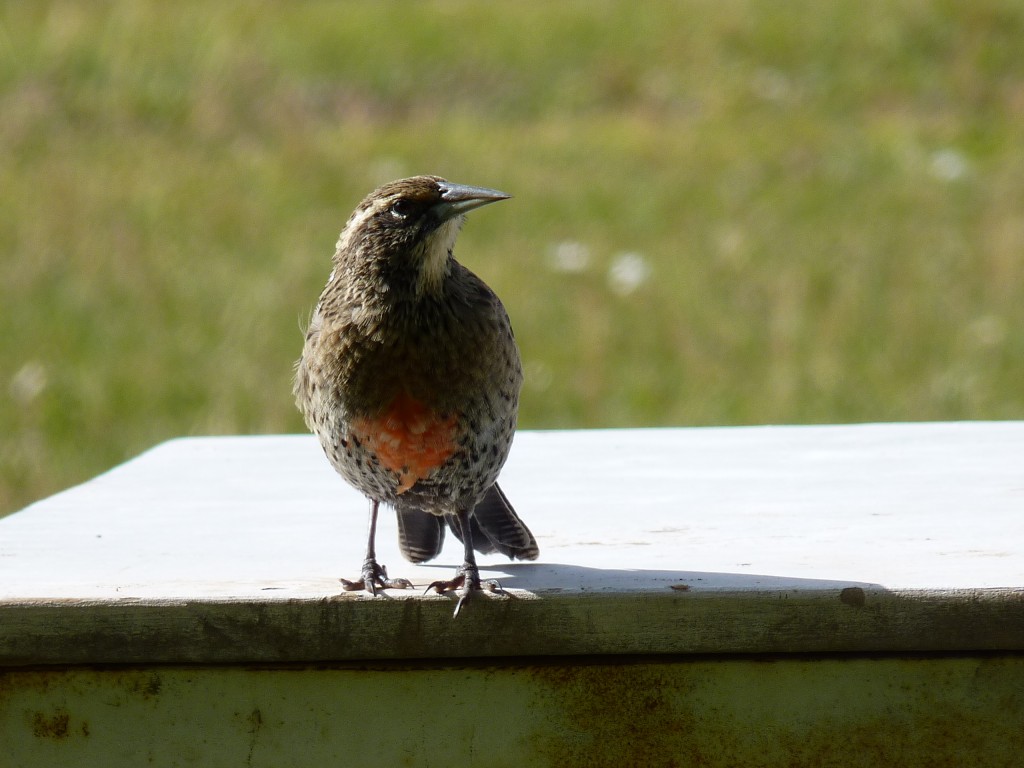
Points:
(457, 199)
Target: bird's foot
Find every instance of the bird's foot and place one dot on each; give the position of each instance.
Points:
(375, 576)
(466, 582)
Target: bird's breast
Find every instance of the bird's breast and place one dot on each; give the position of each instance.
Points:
(408, 438)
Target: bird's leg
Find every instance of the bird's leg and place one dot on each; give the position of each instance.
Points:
(374, 575)
(467, 578)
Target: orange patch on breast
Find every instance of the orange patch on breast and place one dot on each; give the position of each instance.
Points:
(408, 439)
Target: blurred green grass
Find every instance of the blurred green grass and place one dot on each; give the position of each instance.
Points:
(724, 213)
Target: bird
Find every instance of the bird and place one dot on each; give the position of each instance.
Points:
(410, 377)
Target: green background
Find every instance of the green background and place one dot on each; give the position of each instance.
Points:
(724, 212)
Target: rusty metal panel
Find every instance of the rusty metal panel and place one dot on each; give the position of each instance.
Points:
(935, 711)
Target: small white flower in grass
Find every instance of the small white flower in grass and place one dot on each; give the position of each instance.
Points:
(538, 375)
(988, 330)
(569, 257)
(28, 383)
(949, 165)
(628, 272)
(771, 85)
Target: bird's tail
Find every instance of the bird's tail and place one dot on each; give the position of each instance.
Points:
(494, 525)
(497, 528)
(420, 535)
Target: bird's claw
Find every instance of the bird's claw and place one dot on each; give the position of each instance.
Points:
(374, 577)
(465, 583)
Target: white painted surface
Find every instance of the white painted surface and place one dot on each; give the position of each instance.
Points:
(898, 506)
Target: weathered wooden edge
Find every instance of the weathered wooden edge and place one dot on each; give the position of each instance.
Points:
(216, 631)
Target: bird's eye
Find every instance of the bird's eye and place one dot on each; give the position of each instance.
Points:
(401, 209)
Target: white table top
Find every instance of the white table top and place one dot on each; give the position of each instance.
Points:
(737, 516)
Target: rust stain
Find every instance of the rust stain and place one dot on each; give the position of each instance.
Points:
(255, 720)
(618, 714)
(152, 687)
(801, 714)
(56, 725)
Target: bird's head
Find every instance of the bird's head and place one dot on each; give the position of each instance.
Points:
(403, 232)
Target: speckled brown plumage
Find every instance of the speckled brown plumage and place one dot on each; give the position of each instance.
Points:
(410, 377)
